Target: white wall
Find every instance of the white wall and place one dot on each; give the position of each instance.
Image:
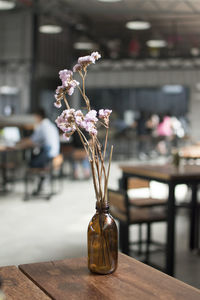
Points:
(15, 54)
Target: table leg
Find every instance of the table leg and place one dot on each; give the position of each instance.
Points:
(170, 248)
(3, 171)
(194, 219)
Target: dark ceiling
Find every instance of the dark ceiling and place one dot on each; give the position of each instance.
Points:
(176, 21)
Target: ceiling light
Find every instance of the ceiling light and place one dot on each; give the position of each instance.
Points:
(85, 45)
(138, 25)
(109, 0)
(156, 43)
(50, 29)
(4, 5)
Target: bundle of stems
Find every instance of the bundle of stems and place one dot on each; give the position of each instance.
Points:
(96, 152)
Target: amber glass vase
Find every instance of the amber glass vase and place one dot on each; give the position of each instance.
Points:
(102, 242)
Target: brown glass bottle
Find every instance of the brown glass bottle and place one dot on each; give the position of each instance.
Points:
(102, 242)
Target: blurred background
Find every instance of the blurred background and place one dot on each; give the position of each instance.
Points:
(149, 71)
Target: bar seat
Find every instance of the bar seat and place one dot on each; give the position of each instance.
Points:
(52, 171)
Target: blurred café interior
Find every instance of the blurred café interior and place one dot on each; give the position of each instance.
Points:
(149, 76)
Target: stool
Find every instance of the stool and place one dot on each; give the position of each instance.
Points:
(55, 165)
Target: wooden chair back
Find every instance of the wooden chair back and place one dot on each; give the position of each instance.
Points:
(137, 183)
(118, 203)
(79, 154)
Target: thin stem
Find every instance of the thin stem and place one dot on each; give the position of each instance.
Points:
(105, 145)
(80, 91)
(94, 180)
(108, 173)
(82, 137)
(66, 102)
(98, 172)
(93, 171)
(102, 165)
(83, 93)
(84, 145)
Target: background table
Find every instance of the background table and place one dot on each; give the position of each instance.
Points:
(169, 174)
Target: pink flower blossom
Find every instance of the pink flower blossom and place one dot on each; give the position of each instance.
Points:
(91, 116)
(74, 83)
(57, 104)
(93, 131)
(70, 91)
(65, 74)
(59, 89)
(77, 68)
(66, 77)
(90, 127)
(86, 60)
(83, 124)
(71, 86)
(104, 113)
(96, 55)
(79, 117)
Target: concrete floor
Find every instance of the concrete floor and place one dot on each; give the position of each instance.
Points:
(41, 230)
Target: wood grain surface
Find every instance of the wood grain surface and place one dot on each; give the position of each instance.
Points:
(17, 286)
(70, 279)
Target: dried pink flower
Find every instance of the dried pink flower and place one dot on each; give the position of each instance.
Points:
(91, 116)
(91, 128)
(96, 55)
(59, 89)
(65, 76)
(104, 113)
(77, 68)
(57, 104)
(86, 60)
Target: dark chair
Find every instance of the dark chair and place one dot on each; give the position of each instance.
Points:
(52, 171)
(135, 212)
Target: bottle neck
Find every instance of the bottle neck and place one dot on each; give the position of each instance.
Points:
(102, 208)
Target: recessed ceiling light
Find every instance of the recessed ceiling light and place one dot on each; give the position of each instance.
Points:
(156, 43)
(85, 46)
(50, 29)
(138, 25)
(4, 5)
(109, 0)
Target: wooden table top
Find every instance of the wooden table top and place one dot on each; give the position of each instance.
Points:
(70, 279)
(192, 151)
(166, 171)
(6, 148)
(17, 286)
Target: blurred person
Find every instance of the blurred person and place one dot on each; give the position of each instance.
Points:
(44, 141)
(165, 134)
(143, 135)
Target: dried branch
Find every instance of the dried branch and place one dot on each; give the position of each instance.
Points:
(66, 102)
(108, 173)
